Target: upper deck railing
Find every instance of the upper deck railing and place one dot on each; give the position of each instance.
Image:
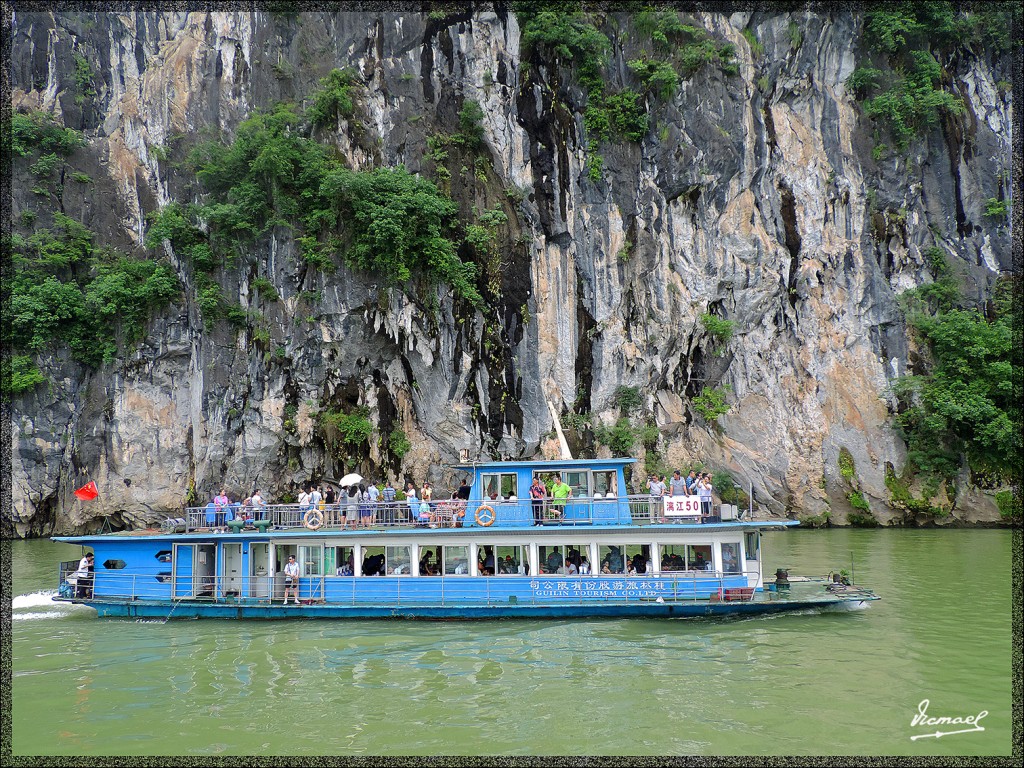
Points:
(450, 513)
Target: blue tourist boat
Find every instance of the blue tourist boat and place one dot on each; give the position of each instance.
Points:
(591, 551)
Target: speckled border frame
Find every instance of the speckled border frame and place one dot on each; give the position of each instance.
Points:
(6, 731)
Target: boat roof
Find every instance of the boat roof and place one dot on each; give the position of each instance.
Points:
(550, 464)
(604, 531)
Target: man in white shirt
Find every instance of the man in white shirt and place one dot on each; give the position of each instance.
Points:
(291, 580)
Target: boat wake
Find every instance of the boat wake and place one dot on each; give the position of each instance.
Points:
(40, 600)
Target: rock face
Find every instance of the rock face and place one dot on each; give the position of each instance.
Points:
(753, 197)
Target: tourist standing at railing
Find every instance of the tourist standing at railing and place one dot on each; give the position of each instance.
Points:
(704, 490)
(656, 489)
(330, 505)
(560, 494)
(372, 495)
(352, 500)
(691, 483)
(678, 484)
(389, 495)
(411, 501)
(221, 502)
(538, 493)
(365, 507)
(257, 505)
(304, 500)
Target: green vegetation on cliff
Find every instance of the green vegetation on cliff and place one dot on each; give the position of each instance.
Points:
(65, 290)
(902, 78)
(965, 404)
(272, 174)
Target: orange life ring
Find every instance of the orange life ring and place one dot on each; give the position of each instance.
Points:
(313, 519)
(484, 515)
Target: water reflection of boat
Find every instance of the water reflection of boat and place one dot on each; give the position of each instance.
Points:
(499, 553)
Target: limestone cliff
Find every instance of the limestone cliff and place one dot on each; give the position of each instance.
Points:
(754, 197)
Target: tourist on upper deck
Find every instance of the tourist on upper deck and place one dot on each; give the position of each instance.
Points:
(315, 497)
(221, 501)
(560, 494)
(388, 502)
(352, 500)
(304, 500)
(539, 494)
(411, 502)
(257, 503)
(366, 507)
(704, 490)
(678, 484)
(691, 482)
(426, 493)
(656, 489)
(463, 492)
(329, 501)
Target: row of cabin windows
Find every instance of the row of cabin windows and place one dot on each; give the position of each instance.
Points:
(514, 560)
(584, 483)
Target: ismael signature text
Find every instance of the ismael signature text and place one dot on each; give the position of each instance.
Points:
(922, 719)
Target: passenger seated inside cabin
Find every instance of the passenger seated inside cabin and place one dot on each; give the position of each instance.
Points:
(554, 561)
(584, 567)
(373, 565)
(487, 563)
(507, 565)
(639, 564)
(427, 568)
(613, 560)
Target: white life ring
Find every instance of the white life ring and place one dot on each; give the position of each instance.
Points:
(313, 519)
(484, 515)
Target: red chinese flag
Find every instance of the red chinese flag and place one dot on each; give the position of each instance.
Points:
(87, 492)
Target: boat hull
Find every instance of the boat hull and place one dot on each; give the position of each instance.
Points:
(159, 610)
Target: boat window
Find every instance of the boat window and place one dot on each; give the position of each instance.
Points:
(455, 561)
(638, 559)
(373, 561)
(398, 561)
(612, 559)
(672, 557)
(556, 558)
(311, 560)
(114, 565)
(343, 561)
(731, 557)
(579, 481)
(281, 552)
(604, 483)
(698, 557)
(752, 540)
(502, 560)
(688, 557)
(500, 485)
(430, 561)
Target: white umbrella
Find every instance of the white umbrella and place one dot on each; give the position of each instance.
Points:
(350, 479)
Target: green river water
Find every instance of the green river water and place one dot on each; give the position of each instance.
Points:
(815, 684)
